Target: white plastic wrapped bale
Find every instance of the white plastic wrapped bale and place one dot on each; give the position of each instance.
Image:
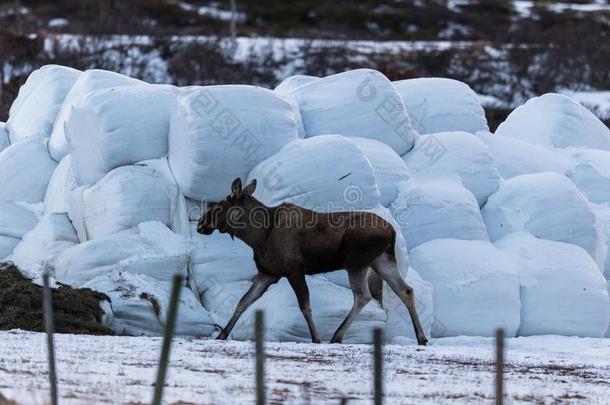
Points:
(562, 290)
(140, 304)
(219, 133)
(217, 259)
(361, 103)
(602, 216)
(125, 197)
(437, 210)
(285, 323)
(514, 157)
(389, 168)
(324, 173)
(150, 249)
(590, 171)
(455, 155)
(53, 234)
(88, 82)
(475, 287)
(292, 82)
(555, 120)
(38, 102)
(15, 221)
(25, 170)
(4, 139)
(439, 105)
(118, 126)
(61, 183)
(547, 205)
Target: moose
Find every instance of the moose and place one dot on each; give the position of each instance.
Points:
(291, 241)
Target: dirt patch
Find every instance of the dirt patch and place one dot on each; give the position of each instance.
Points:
(74, 310)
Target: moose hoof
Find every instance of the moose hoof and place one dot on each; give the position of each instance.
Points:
(222, 336)
(422, 342)
(336, 340)
(315, 341)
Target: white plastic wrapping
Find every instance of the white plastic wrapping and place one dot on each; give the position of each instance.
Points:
(118, 126)
(475, 287)
(514, 157)
(361, 103)
(562, 290)
(150, 248)
(140, 304)
(390, 170)
(88, 82)
(590, 171)
(219, 133)
(555, 120)
(25, 171)
(15, 222)
(455, 155)
(125, 197)
(34, 110)
(325, 173)
(292, 82)
(437, 209)
(437, 105)
(61, 183)
(53, 234)
(4, 138)
(547, 205)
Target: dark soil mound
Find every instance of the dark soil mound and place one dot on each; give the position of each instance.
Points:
(74, 310)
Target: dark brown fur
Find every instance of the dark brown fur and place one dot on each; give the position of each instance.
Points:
(291, 241)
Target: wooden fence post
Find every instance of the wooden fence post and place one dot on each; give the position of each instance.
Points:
(259, 332)
(47, 307)
(499, 366)
(168, 335)
(378, 364)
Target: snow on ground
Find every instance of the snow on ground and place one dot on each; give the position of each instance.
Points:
(542, 369)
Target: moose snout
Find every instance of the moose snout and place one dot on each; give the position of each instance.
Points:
(204, 229)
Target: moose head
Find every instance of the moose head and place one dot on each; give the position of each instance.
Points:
(224, 215)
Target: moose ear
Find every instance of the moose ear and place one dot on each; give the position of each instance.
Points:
(236, 186)
(249, 189)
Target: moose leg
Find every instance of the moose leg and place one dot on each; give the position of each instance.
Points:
(257, 289)
(387, 269)
(299, 285)
(359, 283)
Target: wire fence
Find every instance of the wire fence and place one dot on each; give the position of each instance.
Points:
(260, 387)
